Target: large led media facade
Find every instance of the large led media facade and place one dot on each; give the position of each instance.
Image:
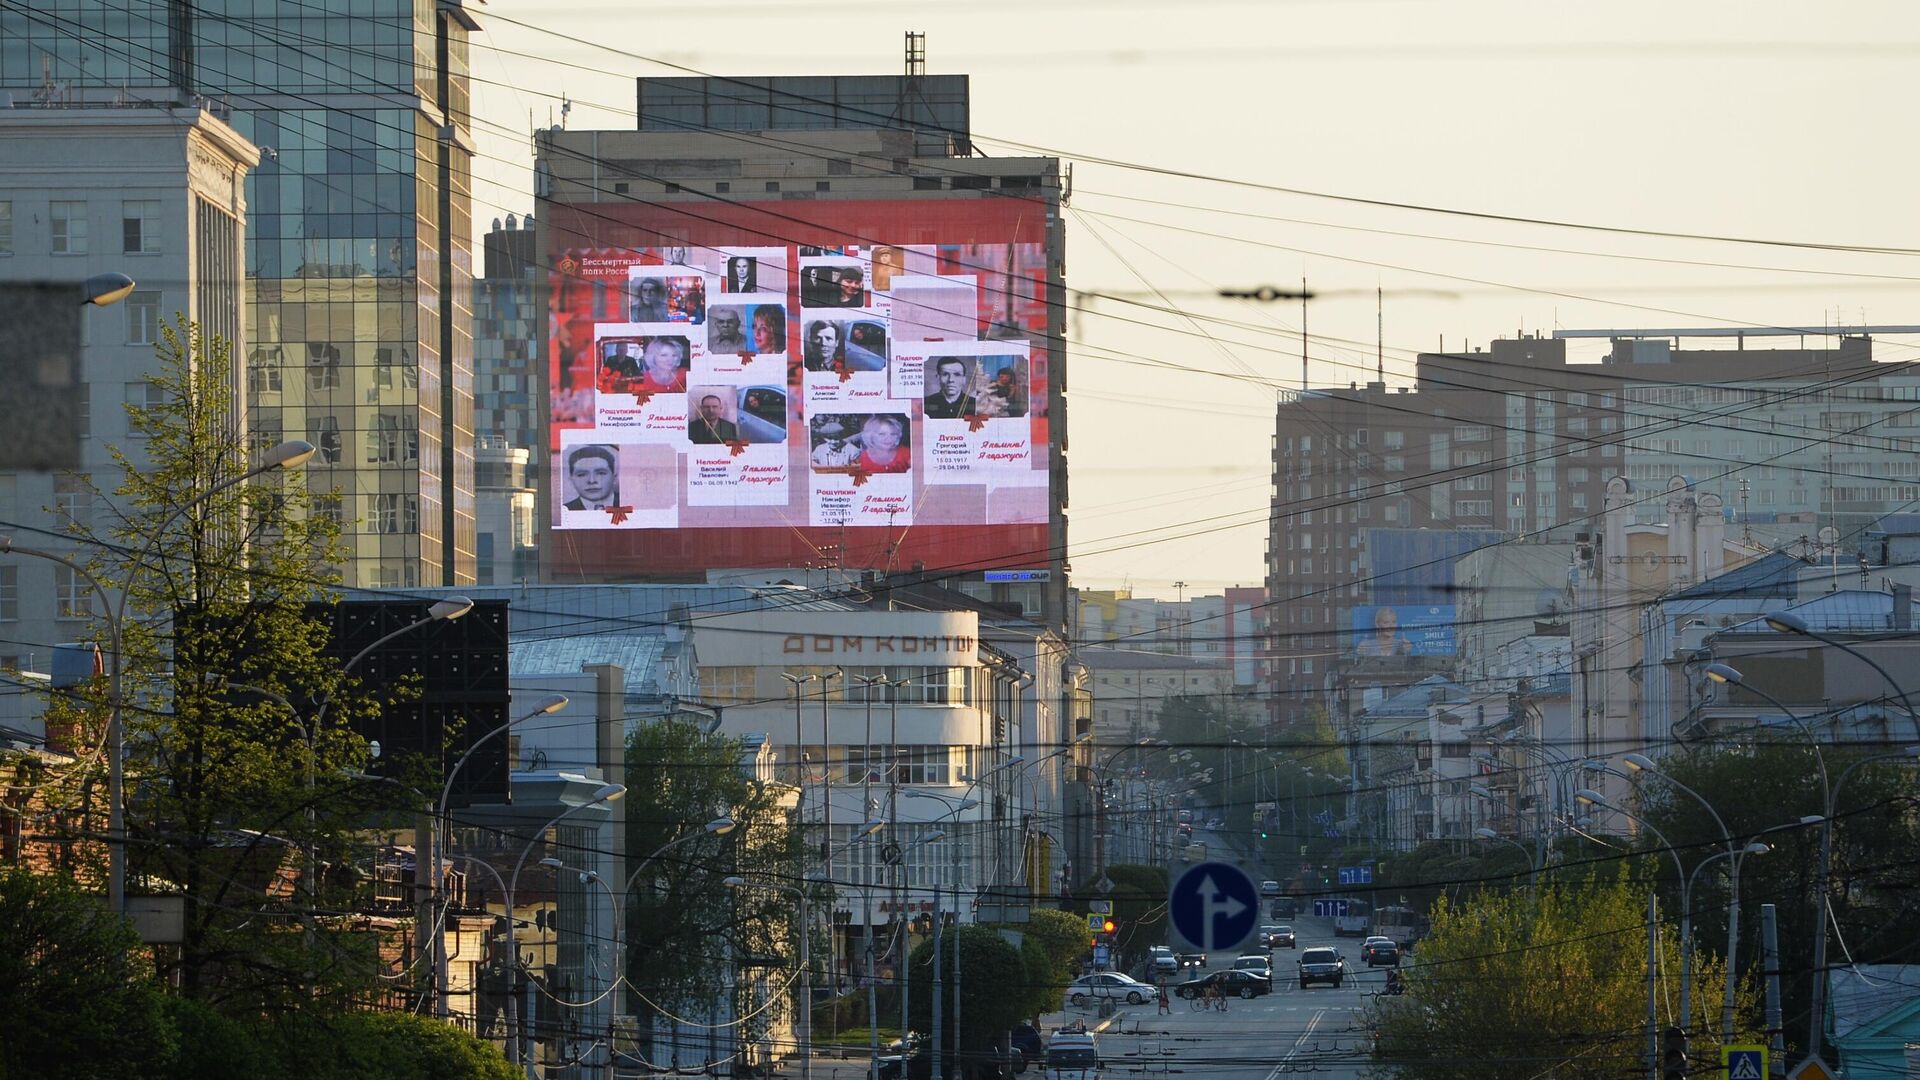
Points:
(744, 385)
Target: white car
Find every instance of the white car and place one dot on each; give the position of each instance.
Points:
(1109, 984)
(1163, 960)
(1269, 889)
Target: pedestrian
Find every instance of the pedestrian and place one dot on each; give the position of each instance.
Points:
(1165, 1007)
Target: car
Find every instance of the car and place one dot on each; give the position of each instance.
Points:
(907, 1059)
(1161, 960)
(1269, 888)
(1231, 982)
(1380, 950)
(1277, 937)
(1025, 1038)
(1192, 959)
(1322, 965)
(1256, 963)
(1110, 985)
(1071, 1055)
(1286, 907)
(1214, 824)
(1186, 828)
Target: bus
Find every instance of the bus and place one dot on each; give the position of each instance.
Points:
(1404, 925)
(1354, 921)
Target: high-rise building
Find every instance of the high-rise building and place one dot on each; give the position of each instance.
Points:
(850, 328)
(359, 260)
(152, 193)
(1515, 444)
(509, 319)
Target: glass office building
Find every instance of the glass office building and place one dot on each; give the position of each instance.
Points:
(359, 242)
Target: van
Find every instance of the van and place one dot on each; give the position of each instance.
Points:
(1194, 853)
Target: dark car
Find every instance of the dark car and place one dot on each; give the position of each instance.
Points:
(1026, 1039)
(1322, 965)
(918, 1055)
(1380, 950)
(1277, 937)
(1232, 983)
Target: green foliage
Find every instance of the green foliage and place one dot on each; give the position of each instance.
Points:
(1875, 892)
(679, 914)
(233, 796)
(1052, 943)
(1541, 982)
(77, 997)
(1139, 895)
(992, 975)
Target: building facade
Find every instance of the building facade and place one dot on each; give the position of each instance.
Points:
(157, 194)
(359, 258)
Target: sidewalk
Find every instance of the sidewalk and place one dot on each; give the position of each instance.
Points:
(854, 1067)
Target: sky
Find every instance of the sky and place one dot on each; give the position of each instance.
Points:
(1240, 143)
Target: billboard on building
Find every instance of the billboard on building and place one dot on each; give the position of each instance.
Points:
(867, 385)
(1403, 630)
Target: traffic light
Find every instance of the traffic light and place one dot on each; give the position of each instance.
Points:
(1106, 927)
(1673, 1054)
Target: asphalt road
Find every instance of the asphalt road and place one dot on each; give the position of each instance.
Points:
(1320, 1031)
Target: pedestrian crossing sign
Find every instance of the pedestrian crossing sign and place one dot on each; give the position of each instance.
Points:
(1744, 1062)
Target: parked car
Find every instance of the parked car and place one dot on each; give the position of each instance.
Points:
(1254, 962)
(1277, 937)
(1232, 982)
(1025, 1039)
(1322, 965)
(1109, 984)
(1269, 888)
(1380, 950)
(910, 1058)
(1162, 961)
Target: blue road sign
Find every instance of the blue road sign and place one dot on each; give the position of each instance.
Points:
(1329, 909)
(1356, 875)
(1745, 1062)
(1213, 907)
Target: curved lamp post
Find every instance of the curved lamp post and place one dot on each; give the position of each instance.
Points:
(106, 288)
(1533, 869)
(1786, 622)
(606, 793)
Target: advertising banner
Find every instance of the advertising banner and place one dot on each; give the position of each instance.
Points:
(754, 404)
(1403, 630)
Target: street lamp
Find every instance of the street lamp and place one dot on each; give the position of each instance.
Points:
(106, 288)
(804, 961)
(1817, 1027)
(606, 793)
(287, 455)
(1786, 622)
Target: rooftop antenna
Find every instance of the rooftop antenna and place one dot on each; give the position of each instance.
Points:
(1379, 335)
(566, 106)
(916, 54)
(1303, 333)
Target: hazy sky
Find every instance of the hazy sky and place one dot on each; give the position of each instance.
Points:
(1760, 120)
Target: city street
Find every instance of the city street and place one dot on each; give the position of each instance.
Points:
(1320, 1030)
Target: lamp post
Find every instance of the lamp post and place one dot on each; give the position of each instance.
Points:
(1817, 1026)
(973, 784)
(606, 793)
(613, 958)
(1533, 870)
(954, 808)
(1786, 622)
(804, 961)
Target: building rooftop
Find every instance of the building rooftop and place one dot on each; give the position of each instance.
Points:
(1849, 611)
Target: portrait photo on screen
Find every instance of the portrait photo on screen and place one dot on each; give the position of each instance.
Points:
(950, 388)
(762, 413)
(746, 328)
(657, 298)
(712, 415)
(650, 365)
(835, 285)
(857, 344)
(742, 274)
(1003, 389)
(860, 442)
(886, 263)
(592, 475)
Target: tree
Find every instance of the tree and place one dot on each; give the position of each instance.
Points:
(77, 995)
(1052, 944)
(684, 930)
(1875, 887)
(234, 806)
(1529, 983)
(1139, 895)
(991, 977)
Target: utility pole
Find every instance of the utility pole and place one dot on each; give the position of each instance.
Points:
(1653, 969)
(1770, 964)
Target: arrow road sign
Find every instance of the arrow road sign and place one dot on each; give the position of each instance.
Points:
(1213, 907)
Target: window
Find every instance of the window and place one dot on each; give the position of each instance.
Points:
(773, 186)
(143, 318)
(73, 596)
(67, 222)
(722, 187)
(324, 433)
(323, 366)
(394, 439)
(9, 594)
(145, 395)
(140, 226)
(1395, 440)
(263, 370)
(328, 508)
(386, 513)
(731, 685)
(6, 227)
(71, 498)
